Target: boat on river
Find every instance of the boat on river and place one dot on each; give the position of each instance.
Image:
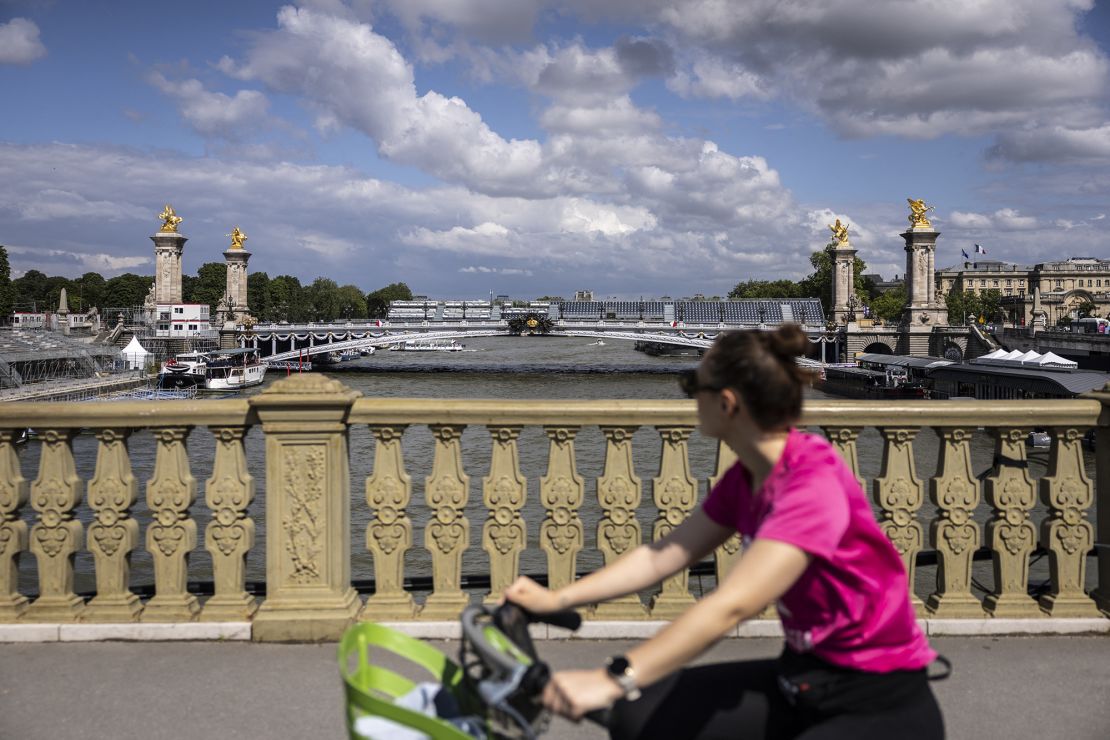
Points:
(219, 370)
(413, 346)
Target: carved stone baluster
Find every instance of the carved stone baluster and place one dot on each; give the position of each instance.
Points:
(898, 493)
(230, 534)
(844, 440)
(448, 534)
(171, 535)
(503, 491)
(1012, 536)
(1067, 492)
(727, 554)
(675, 493)
(562, 491)
(389, 533)
(619, 492)
(56, 537)
(113, 534)
(955, 491)
(13, 531)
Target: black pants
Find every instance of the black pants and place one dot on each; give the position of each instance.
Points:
(746, 700)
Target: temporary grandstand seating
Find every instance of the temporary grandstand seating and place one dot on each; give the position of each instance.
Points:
(582, 310)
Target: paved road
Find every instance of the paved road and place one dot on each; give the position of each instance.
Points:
(1003, 687)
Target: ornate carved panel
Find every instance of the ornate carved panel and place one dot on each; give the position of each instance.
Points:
(13, 531)
(113, 534)
(230, 534)
(389, 533)
(448, 533)
(172, 534)
(619, 494)
(898, 493)
(503, 492)
(1011, 493)
(56, 537)
(955, 492)
(675, 492)
(562, 492)
(1065, 533)
(304, 479)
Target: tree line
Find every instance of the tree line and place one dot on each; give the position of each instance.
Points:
(282, 298)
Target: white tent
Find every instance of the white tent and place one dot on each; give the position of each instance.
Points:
(134, 354)
(1054, 360)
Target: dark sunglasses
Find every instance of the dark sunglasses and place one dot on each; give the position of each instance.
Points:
(690, 385)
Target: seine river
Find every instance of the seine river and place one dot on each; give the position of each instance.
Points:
(499, 367)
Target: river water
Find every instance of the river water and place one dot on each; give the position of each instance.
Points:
(499, 367)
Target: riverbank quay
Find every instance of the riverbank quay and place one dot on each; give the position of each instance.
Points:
(76, 389)
(1001, 688)
(339, 494)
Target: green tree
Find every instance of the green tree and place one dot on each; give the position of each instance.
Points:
(752, 289)
(287, 300)
(1086, 309)
(32, 291)
(888, 306)
(90, 288)
(377, 303)
(352, 302)
(208, 286)
(126, 291)
(961, 305)
(990, 305)
(258, 296)
(323, 297)
(7, 292)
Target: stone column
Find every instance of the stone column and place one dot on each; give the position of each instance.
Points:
(308, 510)
(168, 246)
(843, 284)
(236, 259)
(923, 310)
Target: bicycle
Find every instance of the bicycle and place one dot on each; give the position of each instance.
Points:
(493, 691)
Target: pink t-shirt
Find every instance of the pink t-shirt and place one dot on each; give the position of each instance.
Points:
(851, 606)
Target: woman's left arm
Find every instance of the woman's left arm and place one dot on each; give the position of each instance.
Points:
(766, 570)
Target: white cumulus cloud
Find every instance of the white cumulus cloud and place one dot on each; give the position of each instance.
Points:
(19, 42)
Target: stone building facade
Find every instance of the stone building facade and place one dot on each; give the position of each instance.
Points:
(1063, 285)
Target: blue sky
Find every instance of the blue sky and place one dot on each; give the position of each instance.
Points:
(532, 147)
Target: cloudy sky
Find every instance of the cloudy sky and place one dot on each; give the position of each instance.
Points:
(536, 147)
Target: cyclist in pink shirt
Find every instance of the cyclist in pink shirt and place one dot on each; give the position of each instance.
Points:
(854, 661)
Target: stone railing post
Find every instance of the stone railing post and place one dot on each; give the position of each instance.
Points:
(1101, 593)
(308, 510)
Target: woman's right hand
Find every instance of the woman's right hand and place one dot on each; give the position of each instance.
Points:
(532, 596)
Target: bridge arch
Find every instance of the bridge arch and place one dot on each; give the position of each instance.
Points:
(879, 347)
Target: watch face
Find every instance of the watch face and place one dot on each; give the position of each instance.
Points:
(618, 665)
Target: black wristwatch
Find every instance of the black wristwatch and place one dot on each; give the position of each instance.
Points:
(620, 670)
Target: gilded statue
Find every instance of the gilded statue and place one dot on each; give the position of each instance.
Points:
(237, 238)
(839, 231)
(918, 209)
(170, 219)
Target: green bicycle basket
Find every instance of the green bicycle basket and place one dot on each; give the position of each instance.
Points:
(371, 689)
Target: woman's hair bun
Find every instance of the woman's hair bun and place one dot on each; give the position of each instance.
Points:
(787, 342)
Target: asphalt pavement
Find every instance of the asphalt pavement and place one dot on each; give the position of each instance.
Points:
(1001, 687)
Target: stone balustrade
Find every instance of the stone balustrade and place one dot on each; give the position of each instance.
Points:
(307, 421)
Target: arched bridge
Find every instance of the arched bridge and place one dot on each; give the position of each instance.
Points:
(288, 343)
(699, 340)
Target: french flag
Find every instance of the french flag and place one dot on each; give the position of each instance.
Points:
(979, 250)
(965, 254)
